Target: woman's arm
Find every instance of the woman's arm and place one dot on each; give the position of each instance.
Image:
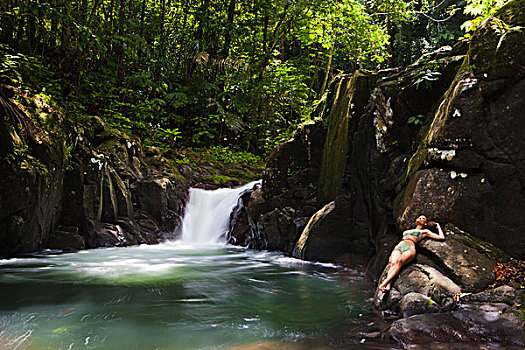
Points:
(440, 236)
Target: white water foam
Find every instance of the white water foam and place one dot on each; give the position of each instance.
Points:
(207, 214)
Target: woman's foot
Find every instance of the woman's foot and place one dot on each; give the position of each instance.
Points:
(384, 287)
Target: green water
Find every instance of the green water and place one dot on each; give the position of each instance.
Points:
(172, 296)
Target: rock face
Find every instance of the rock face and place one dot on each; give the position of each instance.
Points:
(492, 323)
(89, 187)
(474, 138)
(31, 187)
(327, 237)
(397, 144)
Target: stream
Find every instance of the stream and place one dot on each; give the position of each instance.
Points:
(196, 293)
(172, 296)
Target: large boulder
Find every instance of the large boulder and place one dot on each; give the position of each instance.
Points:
(243, 231)
(161, 198)
(416, 303)
(328, 235)
(463, 259)
(417, 278)
(66, 239)
(469, 167)
(487, 323)
(279, 229)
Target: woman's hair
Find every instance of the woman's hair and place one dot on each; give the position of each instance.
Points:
(431, 225)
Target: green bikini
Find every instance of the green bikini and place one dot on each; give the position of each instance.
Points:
(402, 246)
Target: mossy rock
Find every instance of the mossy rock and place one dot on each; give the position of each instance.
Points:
(513, 13)
(480, 245)
(496, 51)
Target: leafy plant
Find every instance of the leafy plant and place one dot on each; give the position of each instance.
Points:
(426, 76)
(416, 120)
(480, 10)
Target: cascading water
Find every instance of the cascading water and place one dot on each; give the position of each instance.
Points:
(177, 295)
(208, 212)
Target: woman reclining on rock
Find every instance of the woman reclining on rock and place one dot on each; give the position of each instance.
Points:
(405, 250)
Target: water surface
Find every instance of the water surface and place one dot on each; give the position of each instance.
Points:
(173, 296)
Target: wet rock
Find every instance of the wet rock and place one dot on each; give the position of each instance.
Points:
(163, 198)
(416, 303)
(110, 235)
(241, 229)
(66, 241)
(493, 323)
(279, 230)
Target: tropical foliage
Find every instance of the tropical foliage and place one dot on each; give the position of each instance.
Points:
(237, 73)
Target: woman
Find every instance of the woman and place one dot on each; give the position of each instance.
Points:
(405, 251)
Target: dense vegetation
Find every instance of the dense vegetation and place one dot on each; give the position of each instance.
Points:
(227, 73)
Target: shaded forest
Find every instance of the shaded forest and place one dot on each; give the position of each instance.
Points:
(226, 73)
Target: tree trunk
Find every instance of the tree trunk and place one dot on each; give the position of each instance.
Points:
(162, 15)
(265, 30)
(328, 68)
(93, 10)
(228, 30)
(142, 14)
(31, 32)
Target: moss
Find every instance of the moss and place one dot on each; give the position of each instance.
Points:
(513, 13)
(414, 164)
(335, 149)
(480, 245)
(440, 117)
(220, 180)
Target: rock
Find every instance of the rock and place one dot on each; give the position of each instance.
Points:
(163, 198)
(462, 262)
(151, 196)
(278, 229)
(502, 294)
(335, 149)
(66, 241)
(31, 186)
(512, 13)
(110, 235)
(327, 235)
(416, 303)
(417, 278)
(495, 52)
(302, 152)
(492, 323)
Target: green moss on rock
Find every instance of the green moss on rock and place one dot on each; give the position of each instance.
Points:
(335, 150)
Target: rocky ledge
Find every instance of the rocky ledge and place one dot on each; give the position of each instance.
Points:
(71, 186)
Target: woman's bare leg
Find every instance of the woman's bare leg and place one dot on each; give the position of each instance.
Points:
(397, 259)
(394, 256)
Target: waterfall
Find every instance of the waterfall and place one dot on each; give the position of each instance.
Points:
(207, 215)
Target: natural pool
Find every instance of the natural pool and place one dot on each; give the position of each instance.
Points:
(175, 296)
